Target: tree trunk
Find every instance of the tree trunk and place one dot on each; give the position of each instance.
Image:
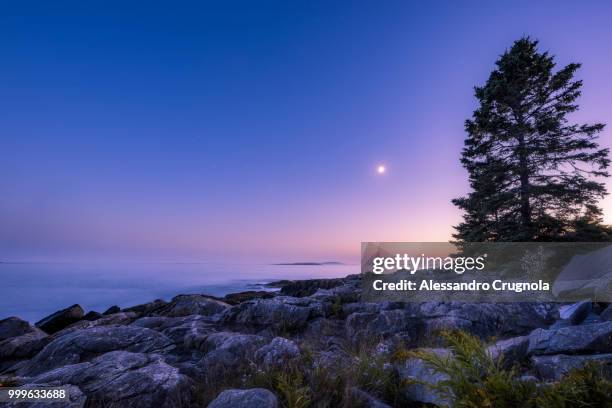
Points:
(524, 191)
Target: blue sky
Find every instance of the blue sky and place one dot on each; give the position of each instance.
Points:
(252, 130)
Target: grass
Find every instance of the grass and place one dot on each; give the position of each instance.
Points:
(476, 379)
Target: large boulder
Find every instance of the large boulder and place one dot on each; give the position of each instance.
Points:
(582, 339)
(146, 309)
(308, 287)
(184, 305)
(607, 313)
(226, 349)
(60, 319)
(511, 350)
(420, 379)
(13, 327)
(575, 313)
(121, 378)
(552, 368)
(112, 310)
(122, 318)
(237, 298)
(15, 349)
(86, 344)
(254, 397)
(281, 312)
(485, 319)
(187, 332)
(277, 353)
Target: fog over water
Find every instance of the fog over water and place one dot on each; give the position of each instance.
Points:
(34, 290)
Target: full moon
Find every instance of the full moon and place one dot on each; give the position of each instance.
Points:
(381, 169)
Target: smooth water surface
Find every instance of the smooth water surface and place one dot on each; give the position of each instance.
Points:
(34, 290)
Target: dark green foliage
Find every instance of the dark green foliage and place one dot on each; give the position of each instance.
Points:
(531, 171)
(475, 379)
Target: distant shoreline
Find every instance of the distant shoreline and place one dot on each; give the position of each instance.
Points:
(308, 263)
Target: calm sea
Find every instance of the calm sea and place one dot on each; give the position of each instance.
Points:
(34, 290)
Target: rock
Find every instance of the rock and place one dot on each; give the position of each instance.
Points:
(552, 368)
(583, 339)
(83, 345)
(114, 319)
(277, 353)
(281, 312)
(121, 378)
(575, 313)
(76, 399)
(607, 313)
(484, 319)
(58, 320)
(334, 360)
(15, 349)
(360, 398)
(227, 349)
(184, 305)
(112, 310)
(186, 331)
(13, 327)
(237, 298)
(510, 350)
(254, 397)
(420, 379)
(147, 308)
(91, 315)
(382, 325)
(308, 287)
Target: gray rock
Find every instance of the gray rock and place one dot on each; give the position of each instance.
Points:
(510, 350)
(112, 310)
(485, 319)
(114, 319)
(13, 327)
(281, 312)
(147, 308)
(188, 332)
(308, 287)
(607, 313)
(227, 349)
(277, 353)
(552, 368)
(91, 315)
(184, 305)
(15, 349)
(121, 378)
(420, 379)
(582, 339)
(576, 312)
(86, 344)
(60, 319)
(251, 398)
(237, 298)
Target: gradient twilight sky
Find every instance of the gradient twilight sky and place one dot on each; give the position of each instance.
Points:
(253, 130)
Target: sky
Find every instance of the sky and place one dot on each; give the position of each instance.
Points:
(230, 131)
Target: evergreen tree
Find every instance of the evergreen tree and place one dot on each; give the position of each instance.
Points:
(532, 172)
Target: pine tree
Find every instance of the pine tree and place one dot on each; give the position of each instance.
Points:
(532, 172)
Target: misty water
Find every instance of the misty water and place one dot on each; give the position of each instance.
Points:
(34, 290)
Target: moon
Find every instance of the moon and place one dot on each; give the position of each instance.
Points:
(381, 169)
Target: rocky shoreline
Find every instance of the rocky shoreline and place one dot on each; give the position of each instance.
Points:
(198, 350)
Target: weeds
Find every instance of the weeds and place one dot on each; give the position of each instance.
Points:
(476, 379)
